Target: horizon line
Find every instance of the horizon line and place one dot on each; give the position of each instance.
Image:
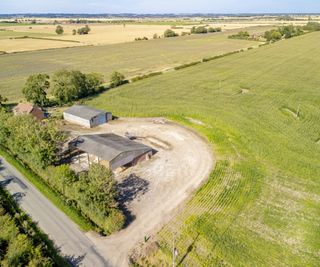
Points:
(182, 13)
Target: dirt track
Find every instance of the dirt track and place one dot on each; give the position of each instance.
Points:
(156, 187)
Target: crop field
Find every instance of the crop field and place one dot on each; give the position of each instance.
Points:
(132, 58)
(100, 34)
(260, 111)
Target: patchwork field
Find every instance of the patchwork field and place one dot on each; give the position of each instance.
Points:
(100, 34)
(260, 110)
(129, 58)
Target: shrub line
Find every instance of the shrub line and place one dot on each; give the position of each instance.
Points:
(187, 65)
(48, 192)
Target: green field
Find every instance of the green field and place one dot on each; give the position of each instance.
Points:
(14, 34)
(261, 204)
(130, 58)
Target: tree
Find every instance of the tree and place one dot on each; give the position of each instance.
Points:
(199, 30)
(35, 89)
(312, 26)
(94, 82)
(59, 30)
(211, 29)
(69, 85)
(74, 32)
(169, 33)
(61, 177)
(97, 194)
(273, 35)
(4, 131)
(33, 142)
(84, 30)
(116, 79)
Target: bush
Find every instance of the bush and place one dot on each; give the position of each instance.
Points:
(199, 30)
(170, 33)
(187, 65)
(211, 29)
(141, 77)
(141, 39)
(84, 30)
(243, 35)
(117, 79)
(185, 33)
(312, 26)
(59, 30)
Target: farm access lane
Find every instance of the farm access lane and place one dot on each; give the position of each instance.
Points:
(73, 243)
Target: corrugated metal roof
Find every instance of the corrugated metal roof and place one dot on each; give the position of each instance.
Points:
(108, 146)
(84, 112)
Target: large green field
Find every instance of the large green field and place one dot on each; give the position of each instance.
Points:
(130, 58)
(261, 204)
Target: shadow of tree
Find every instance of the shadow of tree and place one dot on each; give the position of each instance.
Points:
(132, 187)
(18, 196)
(6, 182)
(129, 189)
(75, 260)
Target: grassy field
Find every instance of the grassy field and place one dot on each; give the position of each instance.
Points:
(261, 113)
(129, 58)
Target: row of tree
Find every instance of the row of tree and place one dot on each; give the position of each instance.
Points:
(242, 35)
(81, 31)
(286, 32)
(65, 86)
(194, 30)
(204, 30)
(36, 144)
(93, 193)
(21, 242)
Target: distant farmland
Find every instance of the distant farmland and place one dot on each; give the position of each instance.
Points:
(260, 110)
(130, 58)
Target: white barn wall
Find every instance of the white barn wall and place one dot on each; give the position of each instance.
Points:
(77, 120)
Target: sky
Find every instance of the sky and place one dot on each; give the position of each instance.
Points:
(159, 6)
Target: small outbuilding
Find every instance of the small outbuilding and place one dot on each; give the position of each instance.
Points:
(27, 108)
(111, 150)
(86, 116)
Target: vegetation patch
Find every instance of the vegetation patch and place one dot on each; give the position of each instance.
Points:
(149, 75)
(261, 154)
(183, 66)
(45, 189)
(22, 243)
(41, 160)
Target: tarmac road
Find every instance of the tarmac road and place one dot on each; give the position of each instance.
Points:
(74, 245)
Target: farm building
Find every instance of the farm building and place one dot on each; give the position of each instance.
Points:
(27, 108)
(86, 116)
(112, 151)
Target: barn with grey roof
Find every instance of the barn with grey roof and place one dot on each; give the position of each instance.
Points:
(86, 116)
(112, 150)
